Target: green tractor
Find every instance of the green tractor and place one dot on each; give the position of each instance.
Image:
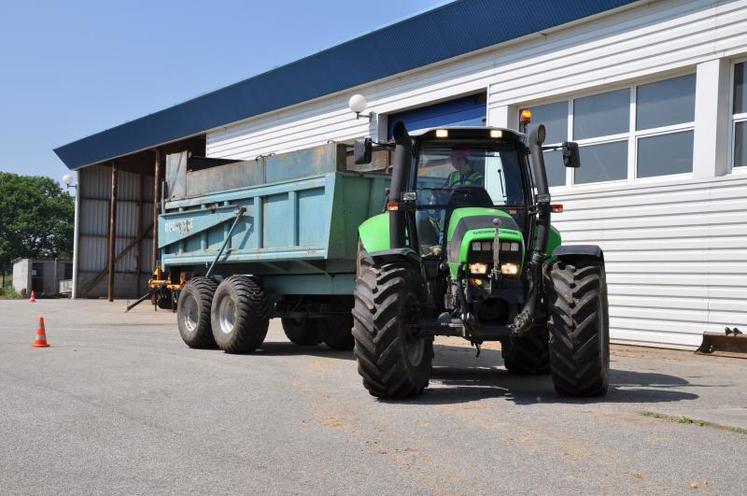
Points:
(465, 248)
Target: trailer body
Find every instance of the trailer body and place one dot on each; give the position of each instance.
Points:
(297, 230)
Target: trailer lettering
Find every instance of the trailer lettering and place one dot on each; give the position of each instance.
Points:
(181, 226)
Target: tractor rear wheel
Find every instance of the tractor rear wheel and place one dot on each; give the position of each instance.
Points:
(239, 315)
(393, 362)
(530, 353)
(337, 330)
(302, 332)
(579, 327)
(193, 312)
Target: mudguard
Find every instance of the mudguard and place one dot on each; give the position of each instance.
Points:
(384, 256)
(569, 252)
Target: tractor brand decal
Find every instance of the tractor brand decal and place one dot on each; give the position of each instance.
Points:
(179, 226)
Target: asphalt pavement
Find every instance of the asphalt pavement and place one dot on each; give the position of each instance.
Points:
(119, 405)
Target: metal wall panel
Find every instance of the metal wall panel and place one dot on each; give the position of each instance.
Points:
(95, 191)
(675, 255)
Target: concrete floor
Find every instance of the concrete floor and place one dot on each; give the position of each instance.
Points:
(119, 405)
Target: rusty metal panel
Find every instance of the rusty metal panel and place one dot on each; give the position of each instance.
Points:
(176, 175)
(224, 178)
(305, 163)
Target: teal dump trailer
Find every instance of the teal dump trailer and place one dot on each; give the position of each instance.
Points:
(279, 231)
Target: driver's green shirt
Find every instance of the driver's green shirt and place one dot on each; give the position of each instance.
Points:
(457, 178)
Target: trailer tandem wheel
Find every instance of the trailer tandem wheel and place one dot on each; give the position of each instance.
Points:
(193, 312)
(239, 315)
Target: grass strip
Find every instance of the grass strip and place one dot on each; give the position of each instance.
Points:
(688, 420)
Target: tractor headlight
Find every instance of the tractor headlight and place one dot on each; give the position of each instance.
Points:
(478, 268)
(509, 269)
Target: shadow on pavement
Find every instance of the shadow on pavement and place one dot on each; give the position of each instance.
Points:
(455, 380)
(284, 348)
(458, 377)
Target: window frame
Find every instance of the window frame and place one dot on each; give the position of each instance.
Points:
(632, 135)
(734, 119)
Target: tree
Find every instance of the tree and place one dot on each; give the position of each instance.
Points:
(36, 218)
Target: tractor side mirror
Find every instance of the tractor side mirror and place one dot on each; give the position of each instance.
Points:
(362, 151)
(571, 157)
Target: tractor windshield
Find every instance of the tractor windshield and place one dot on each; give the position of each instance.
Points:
(444, 166)
(485, 173)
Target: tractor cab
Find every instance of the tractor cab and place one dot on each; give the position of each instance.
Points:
(465, 167)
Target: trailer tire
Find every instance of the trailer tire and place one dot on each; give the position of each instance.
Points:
(337, 331)
(239, 315)
(528, 354)
(579, 327)
(193, 313)
(301, 332)
(392, 362)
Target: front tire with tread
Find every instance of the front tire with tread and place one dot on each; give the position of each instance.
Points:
(392, 363)
(579, 327)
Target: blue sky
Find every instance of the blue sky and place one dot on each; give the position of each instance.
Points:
(71, 68)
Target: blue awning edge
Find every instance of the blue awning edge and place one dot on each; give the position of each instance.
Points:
(448, 31)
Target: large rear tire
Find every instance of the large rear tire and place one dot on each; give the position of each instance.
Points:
(579, 327)
(530, 353)
(391, 360)
(337, 330)
(193, 313)
(302, 332)
(239, 315)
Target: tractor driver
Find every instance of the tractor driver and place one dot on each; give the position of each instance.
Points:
(463, 175)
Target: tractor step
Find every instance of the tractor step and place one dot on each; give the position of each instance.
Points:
(732, 344)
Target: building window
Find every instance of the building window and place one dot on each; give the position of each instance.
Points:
(739, 120)
(665, 115)
(636, 132)
(555, 118)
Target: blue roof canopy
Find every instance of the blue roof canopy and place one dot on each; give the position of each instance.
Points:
(445, 32)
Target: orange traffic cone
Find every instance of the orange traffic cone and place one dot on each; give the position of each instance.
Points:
(41, 336)
(32, 299)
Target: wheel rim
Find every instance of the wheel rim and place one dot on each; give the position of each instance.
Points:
(227, 314)
(191, 313)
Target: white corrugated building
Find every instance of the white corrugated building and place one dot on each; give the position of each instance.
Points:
(654, 92)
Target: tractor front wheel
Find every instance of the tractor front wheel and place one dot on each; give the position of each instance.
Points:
(393, 362)
(579, 327)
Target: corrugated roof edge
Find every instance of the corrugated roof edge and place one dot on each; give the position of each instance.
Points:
(418, 41)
